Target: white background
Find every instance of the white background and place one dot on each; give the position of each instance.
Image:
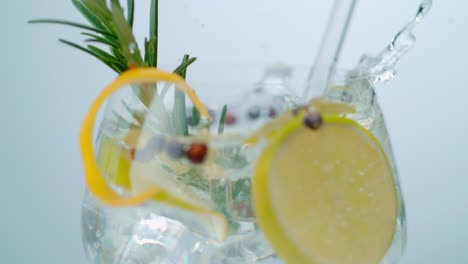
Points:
(47, 87)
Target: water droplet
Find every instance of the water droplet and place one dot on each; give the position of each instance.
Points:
(202, 26)
(424, 8)
(362, 173)
(98, 234)
(132, 48)
(361, 190)
(90, 227)
(381, 68)
(97, 245)
(371, 194)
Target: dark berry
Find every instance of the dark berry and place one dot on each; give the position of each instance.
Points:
(230, 118)
(272, 112)
(254, 112)
(313, 120)
(175, 150)
(197, 153)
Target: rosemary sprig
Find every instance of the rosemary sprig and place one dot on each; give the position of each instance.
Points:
(109, 27)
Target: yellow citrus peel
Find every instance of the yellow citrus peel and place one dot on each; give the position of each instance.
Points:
(95, 181)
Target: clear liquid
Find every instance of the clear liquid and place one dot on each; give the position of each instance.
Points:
(155, 233)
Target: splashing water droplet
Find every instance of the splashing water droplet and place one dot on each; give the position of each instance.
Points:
(132, 48)
(381, 68)
(423, 10)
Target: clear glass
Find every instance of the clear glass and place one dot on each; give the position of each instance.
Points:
(254, 57)
(160, 233)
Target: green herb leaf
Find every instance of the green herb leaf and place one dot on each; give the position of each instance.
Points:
(154, 24)
(89, 15)
(195, 116)
(112, 63)
(150, 52)
(98, 39)
(180, 112)
(119, 56)
(183, 66)
(222, 120)
(69, 23)
(102, 54)
(130, 12)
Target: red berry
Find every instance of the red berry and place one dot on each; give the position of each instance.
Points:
(197, 153)
(230, 118)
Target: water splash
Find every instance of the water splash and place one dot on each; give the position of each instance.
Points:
(381, 68)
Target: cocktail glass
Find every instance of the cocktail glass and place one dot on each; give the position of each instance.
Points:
(204, 213)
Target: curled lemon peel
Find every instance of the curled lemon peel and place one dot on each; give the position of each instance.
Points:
(95, 181)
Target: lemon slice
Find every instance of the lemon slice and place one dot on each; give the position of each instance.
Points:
(326, 195)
